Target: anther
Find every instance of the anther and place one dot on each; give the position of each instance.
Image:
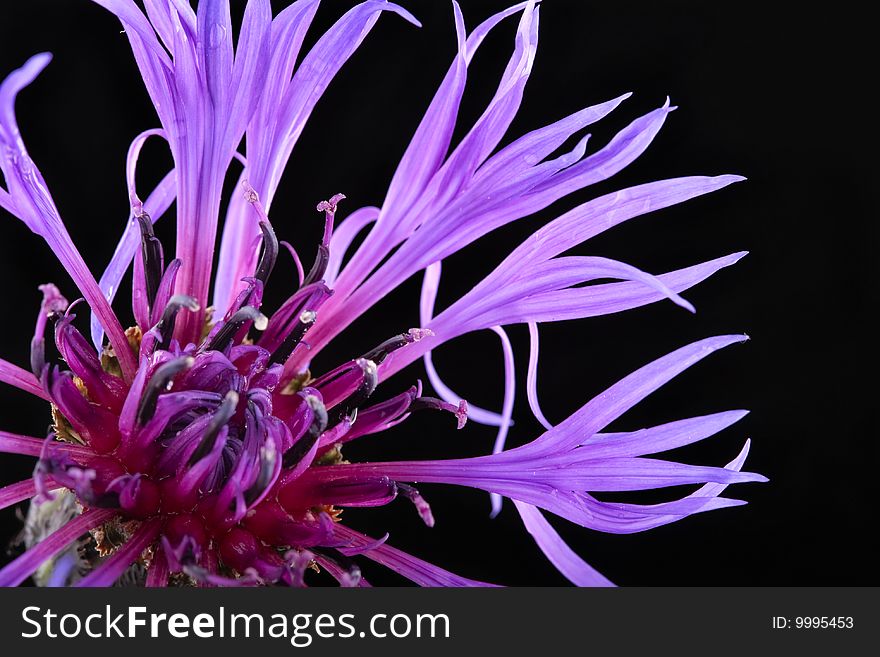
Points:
(305, 321)
(165, 325)
(380, 353)
(160, 382)
(369, 381)
(302, 446)
(268, 459)
(269, 254)
(434, 404)
(221, 416)
(151, 249)
(223, 338)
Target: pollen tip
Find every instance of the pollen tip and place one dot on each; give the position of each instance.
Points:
(461, 415)
(367, 365)
(420, 334)
(261, 322)
(250, 194)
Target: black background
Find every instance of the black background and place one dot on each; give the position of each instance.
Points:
(779, 94)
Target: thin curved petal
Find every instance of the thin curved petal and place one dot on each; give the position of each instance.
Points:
(567, 562)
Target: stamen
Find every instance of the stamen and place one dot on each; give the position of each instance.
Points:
(329, 210)
(380, 353)
(305, 321)
(302, 446)
(434, 404)
(268, 460)
(151, 250)
(221, 416)
(224, 337)
(368, 383)
(160, 382)
(269, 254)
(322, 259)
(165, 326)
(52, 307)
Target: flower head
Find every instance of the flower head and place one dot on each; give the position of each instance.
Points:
(199, 436)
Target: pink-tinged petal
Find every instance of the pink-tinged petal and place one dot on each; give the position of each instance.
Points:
(282, 115)
(35, 207)
(531, 478)
(19, 492)
(414, 569)
(567, 562)
(112, 568)
(21, 379)
(157, 574)
(12, 443)
(18, 570)
(338, 573)
(239, 245)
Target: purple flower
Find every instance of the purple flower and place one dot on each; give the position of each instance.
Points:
(201, 435)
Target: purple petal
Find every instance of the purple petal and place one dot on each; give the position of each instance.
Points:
(156, 205)
(660, 438)
(18, 492)
(430, 285)
(578, 571)
(37, 210)
(532, 377)
(343, 236)
(601, 411)
(506, 408)
(16, 571)
(414, 569)
(21, 379)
